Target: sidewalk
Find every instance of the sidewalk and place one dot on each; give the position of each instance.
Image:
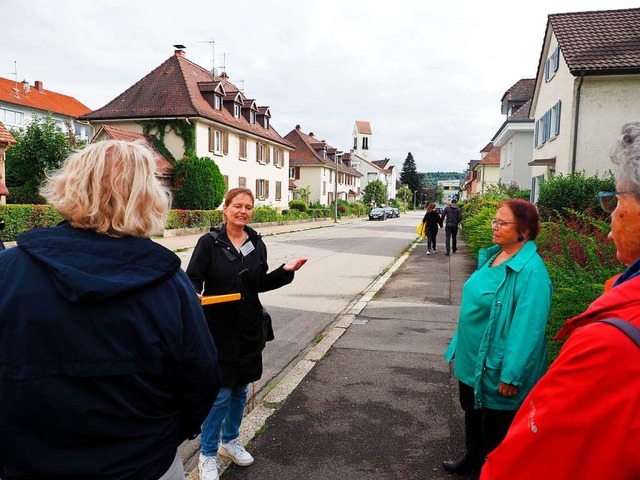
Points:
(374, 399)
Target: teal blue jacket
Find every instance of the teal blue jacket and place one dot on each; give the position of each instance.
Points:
(513, 348)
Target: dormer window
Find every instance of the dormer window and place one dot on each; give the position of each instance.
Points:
(218, 102)
(266, 123)
(236, 110)
(252, 117)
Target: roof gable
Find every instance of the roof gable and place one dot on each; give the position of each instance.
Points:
(5, 136)
(164, 168)
(38, 98)
(599, 41)
(177, 88)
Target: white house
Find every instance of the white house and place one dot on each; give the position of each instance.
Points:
(322, 169)
(20, 102)
(391, 179)
(587, 87)
(450, 190)
(187, 109)
(515, 135)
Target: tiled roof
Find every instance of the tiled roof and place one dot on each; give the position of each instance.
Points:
(173, 90)
(521, 91)
(491, 158)
(163, 166)
(5, 136)
(487, 147)
(599, 40)
(522, 114)
(363, 127)
(306, 153)
(38, 98)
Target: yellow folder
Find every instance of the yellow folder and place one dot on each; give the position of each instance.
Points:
(211, 299)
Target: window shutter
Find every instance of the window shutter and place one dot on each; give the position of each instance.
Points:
(268, 151)
(278, 190)
(546, 70)
(258, 192)
(225, 143)
(242, 182)
(226, 182)
(266, 188)
(257, 151)
(557, 126)
(211, 139)
(297, 173)
(556, 59)
(535, 133)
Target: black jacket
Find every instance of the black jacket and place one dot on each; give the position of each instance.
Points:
(432, 220)
(106, 363)
(217, 268)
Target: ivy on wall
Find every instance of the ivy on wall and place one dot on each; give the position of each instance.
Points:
(159, 128)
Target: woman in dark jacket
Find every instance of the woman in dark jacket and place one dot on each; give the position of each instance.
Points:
(431, 221)
(232, 258)
(106, 364)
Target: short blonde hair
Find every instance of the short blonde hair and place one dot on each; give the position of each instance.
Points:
(110, 187)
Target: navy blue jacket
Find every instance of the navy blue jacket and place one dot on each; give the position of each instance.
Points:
(106, 362)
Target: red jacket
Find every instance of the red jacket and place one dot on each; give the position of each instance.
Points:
(582, 419)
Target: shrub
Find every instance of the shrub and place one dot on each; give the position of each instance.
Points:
(299, 205)
(264, 213)
(193, 218)
(199, 185)
(562, 193)
(20, 218)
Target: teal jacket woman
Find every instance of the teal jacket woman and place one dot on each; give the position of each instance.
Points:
(512, 346)
(500, 349)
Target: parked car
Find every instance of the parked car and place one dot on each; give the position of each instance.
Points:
(389, 212)
(396, 212)
(377, 214)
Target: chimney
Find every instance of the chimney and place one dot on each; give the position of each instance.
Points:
(311, 134)
(297, 127)
(39, 86)
(224, 76)
(179, 53)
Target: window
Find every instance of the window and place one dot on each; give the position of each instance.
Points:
(261, 154)
(252, 117)
(236, 110)
(547, 127)
(218, 102)
(262, 189)
(265, 123)
(278, 191)
(365, 143)
(215, 141)
(355, 143)
(11, 117)
(552, 64)
(292, 172)
(225, 143)
(278, 157)
(242, 182)
(242, 147)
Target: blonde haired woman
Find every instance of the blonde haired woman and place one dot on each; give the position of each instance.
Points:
(106, 364)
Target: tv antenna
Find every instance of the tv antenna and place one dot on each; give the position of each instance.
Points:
(213, 56)
(15, 76)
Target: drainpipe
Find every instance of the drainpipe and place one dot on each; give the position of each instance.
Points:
(575, 125)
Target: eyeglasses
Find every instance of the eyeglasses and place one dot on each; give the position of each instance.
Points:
(499, 223)
(609, 200)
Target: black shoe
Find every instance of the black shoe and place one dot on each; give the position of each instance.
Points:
(455, 250)
(447, 254)
(462, 466)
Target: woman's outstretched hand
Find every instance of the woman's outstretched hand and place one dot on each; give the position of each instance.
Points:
(294, 265)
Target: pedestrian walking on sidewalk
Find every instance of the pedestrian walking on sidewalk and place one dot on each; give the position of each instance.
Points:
(452, 215)
(106, 361)
(232, 258)
(432, 221)
(499, 349)
(581, 420)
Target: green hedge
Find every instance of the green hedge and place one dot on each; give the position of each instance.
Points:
(20, 218)
(193, 218)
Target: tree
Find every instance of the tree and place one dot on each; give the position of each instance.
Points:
(404, 194)
(304, 193)
(199, 184)
(409, 174)
(41, 147)
(374, 192)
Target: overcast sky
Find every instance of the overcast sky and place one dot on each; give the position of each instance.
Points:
(427, 75)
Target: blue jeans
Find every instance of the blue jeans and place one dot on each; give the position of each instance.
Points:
(225, 416)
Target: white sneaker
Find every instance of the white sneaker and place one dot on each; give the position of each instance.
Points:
(208, 468)
(434, 250)
(236, 452)
(428, 252)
